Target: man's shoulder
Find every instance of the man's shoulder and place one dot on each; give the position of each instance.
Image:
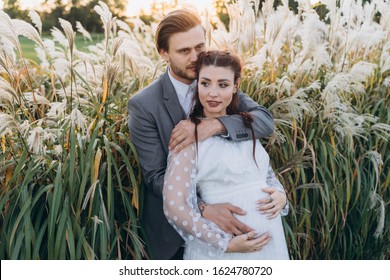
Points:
(241, 94)
(150, 91)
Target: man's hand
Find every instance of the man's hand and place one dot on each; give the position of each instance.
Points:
(273, 204)
(221, 214)
(184, 133)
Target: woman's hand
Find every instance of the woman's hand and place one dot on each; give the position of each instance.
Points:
(247, 243)
(273, 204)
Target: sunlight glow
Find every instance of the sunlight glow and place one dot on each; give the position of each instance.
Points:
(135, 7)
(28, 4)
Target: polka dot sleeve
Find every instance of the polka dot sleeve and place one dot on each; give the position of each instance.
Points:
(180, 202)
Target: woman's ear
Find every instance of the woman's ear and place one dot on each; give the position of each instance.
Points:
(237, 84)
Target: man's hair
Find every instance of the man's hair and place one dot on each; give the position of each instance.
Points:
(177, 21)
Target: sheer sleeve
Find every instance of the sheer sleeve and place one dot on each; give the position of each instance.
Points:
(180, 202)
(273, 182)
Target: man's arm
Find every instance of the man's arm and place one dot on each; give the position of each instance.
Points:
(232, 126)
(184, 133)
(263, 123)
(151, 154)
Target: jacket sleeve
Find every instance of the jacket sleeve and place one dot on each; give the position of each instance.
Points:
(263, 123)
(151, 154)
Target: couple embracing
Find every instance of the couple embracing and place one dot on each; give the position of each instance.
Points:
(210, 192)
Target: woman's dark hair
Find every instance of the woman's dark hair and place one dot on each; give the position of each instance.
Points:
(227, 60)
(217, 59)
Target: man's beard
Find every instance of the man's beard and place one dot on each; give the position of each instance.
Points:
(183, 74)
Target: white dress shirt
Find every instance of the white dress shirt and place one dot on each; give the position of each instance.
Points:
(184, 93)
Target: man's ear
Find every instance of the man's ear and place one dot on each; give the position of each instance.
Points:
(164, 55)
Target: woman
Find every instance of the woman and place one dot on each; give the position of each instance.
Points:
(223, 171)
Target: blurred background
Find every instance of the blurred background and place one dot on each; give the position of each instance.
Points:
(69, 175)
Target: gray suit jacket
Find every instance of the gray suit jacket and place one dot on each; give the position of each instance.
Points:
(153, 113)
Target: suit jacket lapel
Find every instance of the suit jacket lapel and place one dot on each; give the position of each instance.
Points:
(171, 100)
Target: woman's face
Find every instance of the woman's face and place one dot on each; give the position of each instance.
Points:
(215, 88)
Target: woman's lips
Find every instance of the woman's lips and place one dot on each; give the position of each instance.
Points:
(213, 103)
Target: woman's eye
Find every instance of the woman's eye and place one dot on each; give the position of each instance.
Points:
(223, 85)
(205, 84)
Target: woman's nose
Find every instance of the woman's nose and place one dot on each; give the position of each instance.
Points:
(213, 92)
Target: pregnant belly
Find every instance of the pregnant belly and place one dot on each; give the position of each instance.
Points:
(244, 196)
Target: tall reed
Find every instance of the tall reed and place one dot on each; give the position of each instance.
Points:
(328, 89)
(69, 178)
(69, 174)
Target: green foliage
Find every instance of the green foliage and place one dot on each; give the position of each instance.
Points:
(69, 175)
(69, 178)
(332, 130)
(82, 43)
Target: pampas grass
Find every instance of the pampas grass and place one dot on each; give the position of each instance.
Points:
(69, 177)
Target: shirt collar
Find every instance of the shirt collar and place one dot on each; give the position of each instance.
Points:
(181, 88)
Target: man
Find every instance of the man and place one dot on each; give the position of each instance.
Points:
(157, 124)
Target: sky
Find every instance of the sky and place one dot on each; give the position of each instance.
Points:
(133, 7)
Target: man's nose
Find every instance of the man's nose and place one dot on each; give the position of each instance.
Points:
(194, 55)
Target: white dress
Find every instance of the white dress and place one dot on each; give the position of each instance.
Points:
(221, 171)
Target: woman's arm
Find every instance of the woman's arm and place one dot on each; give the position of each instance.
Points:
(277, 201)
(182, 212)
(180, 201)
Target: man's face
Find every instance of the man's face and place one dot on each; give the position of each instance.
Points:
(184, 48)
